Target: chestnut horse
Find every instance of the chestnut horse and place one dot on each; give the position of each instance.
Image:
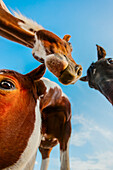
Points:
(100, 75)
(34, 112)
(47, 47)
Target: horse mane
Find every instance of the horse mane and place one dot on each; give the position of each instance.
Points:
(26, 23)
(4, 6)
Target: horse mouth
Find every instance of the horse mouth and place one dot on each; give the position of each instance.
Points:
(70, 75)
(91, 76)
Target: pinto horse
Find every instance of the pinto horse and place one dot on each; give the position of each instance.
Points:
(34, 113)
(47, 47)
(100, 75)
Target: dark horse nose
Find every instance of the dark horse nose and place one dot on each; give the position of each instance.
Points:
(90, 70)
(78, 70)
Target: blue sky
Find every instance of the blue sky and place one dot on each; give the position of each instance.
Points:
(89, 22)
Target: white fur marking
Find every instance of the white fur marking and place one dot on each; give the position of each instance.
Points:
(29, 23)
(44, 164)
(59, 57)
(109, 80)
(94, 71)
(33, 144)
(50, 84)
(64, 158)
(54, 139)
(41, 96)
(38, 49)
(43, 138)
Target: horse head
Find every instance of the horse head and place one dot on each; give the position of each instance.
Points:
(100, 74)
(47, 47)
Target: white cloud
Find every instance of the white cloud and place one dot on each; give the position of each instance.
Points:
(88, 132)
(98, 161)
(100, 140)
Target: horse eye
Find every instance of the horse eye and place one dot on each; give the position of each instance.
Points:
(6, 85)
(110, 61)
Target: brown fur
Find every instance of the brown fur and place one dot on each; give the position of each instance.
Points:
(10, 29)
(65, 66)
(54, 44)
(56, 120)
(17, 114)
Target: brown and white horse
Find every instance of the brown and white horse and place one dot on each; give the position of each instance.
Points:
(100, 75)
(47, 47)
(33, 112)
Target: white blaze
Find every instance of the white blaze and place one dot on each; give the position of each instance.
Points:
(38, 49)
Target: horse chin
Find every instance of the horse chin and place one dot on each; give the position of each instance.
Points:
(106, 88)
(56, 63)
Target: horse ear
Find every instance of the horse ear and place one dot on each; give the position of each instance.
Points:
(37, 73)
(101, 53)
(67, 37)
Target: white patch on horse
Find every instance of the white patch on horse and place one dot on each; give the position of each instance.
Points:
(98, 76)
(64, 158)
(41, 96)
(50, 84)
(109, 80)
(32, 146)
(38, 49)
(54, 139)
(44, 164)
(43, 138)
(58, 58)
(1, 73)
(28, 23)
(94, 71)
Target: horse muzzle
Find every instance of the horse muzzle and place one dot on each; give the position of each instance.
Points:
(62, 67)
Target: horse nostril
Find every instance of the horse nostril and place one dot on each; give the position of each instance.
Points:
(78, 70)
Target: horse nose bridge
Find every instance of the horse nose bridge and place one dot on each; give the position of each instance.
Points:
(91, 70)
